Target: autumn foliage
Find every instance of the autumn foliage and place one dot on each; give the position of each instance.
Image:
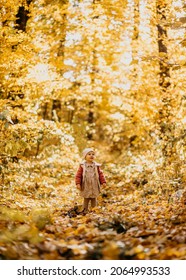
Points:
(103, 74)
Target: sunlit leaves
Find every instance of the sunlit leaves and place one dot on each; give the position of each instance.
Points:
(81, 68)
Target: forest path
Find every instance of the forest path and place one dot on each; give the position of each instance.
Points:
(130, 222)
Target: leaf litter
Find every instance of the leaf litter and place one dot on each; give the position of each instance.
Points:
(126, 224)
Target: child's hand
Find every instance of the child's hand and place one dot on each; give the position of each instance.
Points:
(104, 185)
(78, 187)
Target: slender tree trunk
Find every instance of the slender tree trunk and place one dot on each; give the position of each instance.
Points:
(166, 127)
(61, 45)
(135, 45)
(94, 71)
(22, 16)
(164, 81)
(57, 105)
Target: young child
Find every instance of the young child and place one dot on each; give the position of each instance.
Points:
(89, 178)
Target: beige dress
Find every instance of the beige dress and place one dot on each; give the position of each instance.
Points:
(90, 188)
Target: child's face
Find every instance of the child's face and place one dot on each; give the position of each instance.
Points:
(90, 157)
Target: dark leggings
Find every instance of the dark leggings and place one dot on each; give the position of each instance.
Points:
(86, 203)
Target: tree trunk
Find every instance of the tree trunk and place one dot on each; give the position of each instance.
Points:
(164, 81)
(135, 45)
(166, 127)
(94, 70)
(61, 45)
(22, 16)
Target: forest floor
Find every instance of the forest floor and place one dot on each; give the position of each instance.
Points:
(128, 223)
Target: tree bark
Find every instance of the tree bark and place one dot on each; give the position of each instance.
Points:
(135, 37)
(166, 127)
(22, 16)
(94, 70)
(164, 81)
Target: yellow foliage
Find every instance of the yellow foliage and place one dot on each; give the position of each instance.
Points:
(41, 217)
(88, 73)
(110, 251)
(14, 215)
